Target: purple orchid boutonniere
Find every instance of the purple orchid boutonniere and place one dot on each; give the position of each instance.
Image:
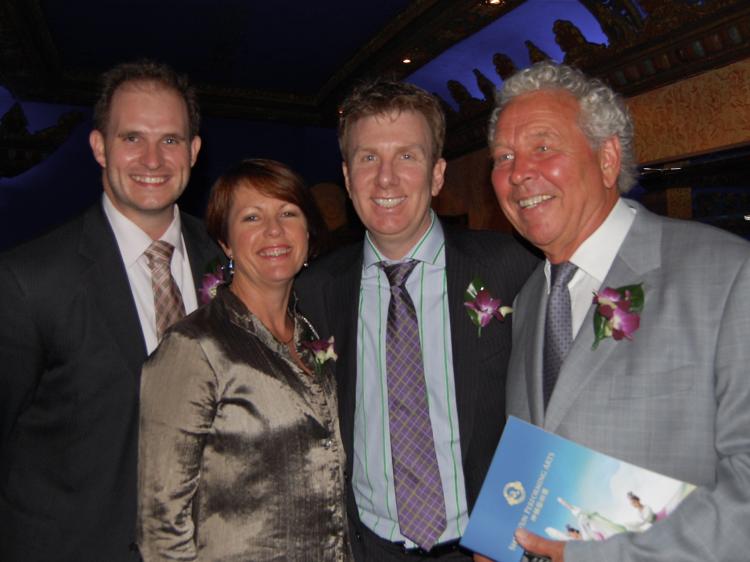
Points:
(322, 351)
(482, 307)
(617, 312)
(210, 283)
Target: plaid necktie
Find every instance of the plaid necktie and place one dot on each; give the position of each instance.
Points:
(168, 306)
(558, 328)
(419, 490)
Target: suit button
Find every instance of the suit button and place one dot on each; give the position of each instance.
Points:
(327, 443)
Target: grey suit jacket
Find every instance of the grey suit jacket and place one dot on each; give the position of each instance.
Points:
(71, 350)
(329, 296)
(675, 399)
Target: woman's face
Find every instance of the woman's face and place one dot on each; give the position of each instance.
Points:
(267, 238)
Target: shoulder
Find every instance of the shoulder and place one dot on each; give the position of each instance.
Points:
(496, 249)
(193, 224)
(206, 320)
(50, 254)
(194, 230)
(332, 265)
(685, 242)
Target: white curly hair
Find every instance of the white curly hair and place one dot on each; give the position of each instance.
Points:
(603, 112)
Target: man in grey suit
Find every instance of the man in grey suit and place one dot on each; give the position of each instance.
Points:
(79, 319)
(667, 386)
(391, 136)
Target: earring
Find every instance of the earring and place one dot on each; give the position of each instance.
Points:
(230, 266)
(305, 265)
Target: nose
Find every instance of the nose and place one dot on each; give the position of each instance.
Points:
(386, 174)
(522, 169)
(273, 226)
(151, 157)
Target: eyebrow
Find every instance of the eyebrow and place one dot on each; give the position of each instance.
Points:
(136, 132)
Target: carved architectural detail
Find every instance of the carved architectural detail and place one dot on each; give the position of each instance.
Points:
(674, 39)
(486, 86)
(535, 53)
(21, 150)
(574, 44)
(504, 65)
(651, 43)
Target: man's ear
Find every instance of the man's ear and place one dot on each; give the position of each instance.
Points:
(96, 141)
(438, 177)
(195, 147)
(609, 161)
(345, 170)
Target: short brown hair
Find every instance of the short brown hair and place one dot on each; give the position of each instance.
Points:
(382, 96)
(269, 177)
(146, 72)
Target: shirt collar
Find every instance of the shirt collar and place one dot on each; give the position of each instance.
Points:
(133, 241)
(597, 253)
(427, 249)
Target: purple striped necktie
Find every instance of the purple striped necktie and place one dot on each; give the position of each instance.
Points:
(419, 491)
(168, 306)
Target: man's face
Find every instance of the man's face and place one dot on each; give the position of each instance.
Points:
(146, 153)
(391, 178)
(553, 187)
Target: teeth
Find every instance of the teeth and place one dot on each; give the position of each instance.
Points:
(388, 202)
(150, 179)
(533, 201)
(275, 252)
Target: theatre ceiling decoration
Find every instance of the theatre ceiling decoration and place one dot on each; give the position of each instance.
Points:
(293, 61)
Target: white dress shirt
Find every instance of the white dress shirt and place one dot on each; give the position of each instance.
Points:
(133, 242)
(594, 258)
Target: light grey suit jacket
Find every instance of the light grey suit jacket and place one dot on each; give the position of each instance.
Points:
(676, 399)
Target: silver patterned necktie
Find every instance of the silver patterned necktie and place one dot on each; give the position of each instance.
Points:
(419, 490)
(558, 328)
(168, 305)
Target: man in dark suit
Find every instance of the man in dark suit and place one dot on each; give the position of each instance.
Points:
(391, 137)
(78, 321)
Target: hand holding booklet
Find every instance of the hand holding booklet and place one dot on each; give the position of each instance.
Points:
(563, 491)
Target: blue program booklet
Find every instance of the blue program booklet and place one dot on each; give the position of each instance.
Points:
(561, 490)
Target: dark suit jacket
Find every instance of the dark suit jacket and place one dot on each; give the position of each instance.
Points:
(328, 294)
(71, 349)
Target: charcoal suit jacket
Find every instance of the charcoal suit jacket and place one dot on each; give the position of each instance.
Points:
(71, 350)
(328, 294)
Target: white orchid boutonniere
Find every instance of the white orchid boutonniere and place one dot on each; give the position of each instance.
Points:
(482, 307)
(322, 351)
(617, 312)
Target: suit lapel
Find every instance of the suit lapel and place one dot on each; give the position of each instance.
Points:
(343, 300)
(533, 316)
(200, 252)
(639, 254)
(107, 283)
(458, 268)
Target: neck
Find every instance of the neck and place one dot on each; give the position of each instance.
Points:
(154, 224)
(397, 250)
(269, 305)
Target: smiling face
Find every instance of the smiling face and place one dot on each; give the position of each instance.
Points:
(553, 187)
(145, 153)
(391, 178)
(268, 239)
